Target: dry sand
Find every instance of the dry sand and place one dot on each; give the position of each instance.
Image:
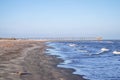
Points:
(26, 60)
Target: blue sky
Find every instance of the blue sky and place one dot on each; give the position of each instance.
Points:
(67, 18)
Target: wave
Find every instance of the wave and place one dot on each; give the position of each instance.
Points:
(116, 52)
(84, 51)
(101, 52)
(72, 45)
(106, 42)
(104, 49)
(66, 62)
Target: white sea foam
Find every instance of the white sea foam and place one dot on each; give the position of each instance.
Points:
(67, 61)
(116, 52)
(104, 49)
(72, 45)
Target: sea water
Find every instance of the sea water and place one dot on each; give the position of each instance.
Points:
(89, 58)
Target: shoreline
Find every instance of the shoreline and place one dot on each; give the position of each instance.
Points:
(27, 60)
(69, 70)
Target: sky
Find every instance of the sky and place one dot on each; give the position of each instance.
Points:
(60, 18)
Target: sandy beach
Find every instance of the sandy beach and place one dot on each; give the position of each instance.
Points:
(26, 60)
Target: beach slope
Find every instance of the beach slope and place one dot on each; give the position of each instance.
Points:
(26, 60)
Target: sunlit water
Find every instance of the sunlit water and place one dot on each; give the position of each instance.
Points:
(89, 58)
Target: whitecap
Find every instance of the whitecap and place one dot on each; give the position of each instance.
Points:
(116, 52)
(104, 49)
(72, 45)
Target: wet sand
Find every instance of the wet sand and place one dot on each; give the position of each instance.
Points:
(26, 60)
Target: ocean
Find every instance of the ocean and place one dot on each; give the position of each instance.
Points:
(92, 59)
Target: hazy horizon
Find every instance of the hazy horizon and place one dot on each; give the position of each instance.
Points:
(60, 18)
